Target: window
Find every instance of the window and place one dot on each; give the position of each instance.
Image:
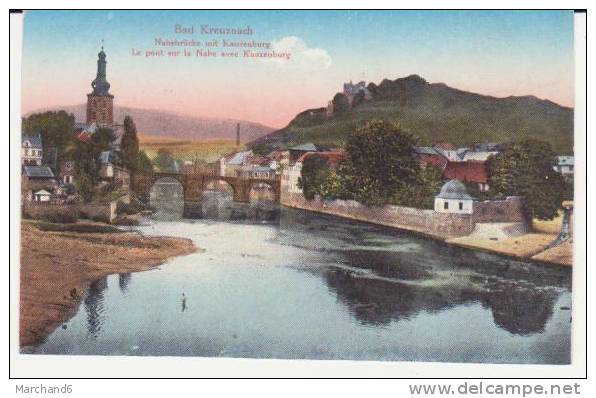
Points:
(461, 205)
(446, 205)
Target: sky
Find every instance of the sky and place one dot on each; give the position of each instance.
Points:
(499, 53)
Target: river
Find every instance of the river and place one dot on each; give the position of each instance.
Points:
(294, 284)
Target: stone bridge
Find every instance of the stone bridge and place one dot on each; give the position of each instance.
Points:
(193, 186)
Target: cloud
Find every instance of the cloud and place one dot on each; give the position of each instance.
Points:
(301, 55)
(110, 16)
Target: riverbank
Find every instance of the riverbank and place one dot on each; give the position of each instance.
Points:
(57, 266)
(529, 246)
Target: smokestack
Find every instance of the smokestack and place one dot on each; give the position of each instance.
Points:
(237, 134)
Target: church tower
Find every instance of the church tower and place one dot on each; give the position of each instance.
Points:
(100, 103)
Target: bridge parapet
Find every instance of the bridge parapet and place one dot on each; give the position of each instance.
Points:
(195, 184)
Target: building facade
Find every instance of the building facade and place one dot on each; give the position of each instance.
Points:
(31, 149)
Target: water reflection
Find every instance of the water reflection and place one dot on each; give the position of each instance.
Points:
(124, 281)
(382, 276)
(318, 287)
(94, 306)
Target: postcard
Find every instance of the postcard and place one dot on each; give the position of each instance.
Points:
(388, 186)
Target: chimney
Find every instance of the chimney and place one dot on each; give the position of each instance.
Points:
(237, 134)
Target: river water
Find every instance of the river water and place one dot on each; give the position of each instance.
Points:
(293, 284)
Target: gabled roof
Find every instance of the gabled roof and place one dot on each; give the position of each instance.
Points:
(33, 138)
(238, 158)
(91, 128)
(42, 192)
(38, 172)
(425, 150)
(470, 171)
(104, 157)
(309, 146)
(333, 158)
(478, 155)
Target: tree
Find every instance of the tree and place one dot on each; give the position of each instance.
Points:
(143, 162)
(164, 160)
(340, 104)
(84, 185)
(129, 147)
(422, 193)
(102, 139)
(380, 163)
(55, 128)
(314, 172)
(526, 169)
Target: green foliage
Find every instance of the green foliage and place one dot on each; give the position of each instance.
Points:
(341, 104)
(164, 160)
(102, 139)
(422, 193)
(380, 163)
(55, 128)
(314, 172)
(133, 207)
(335, 185)
(129, 147)
(526, 169)
(143, 162)
(84, 185)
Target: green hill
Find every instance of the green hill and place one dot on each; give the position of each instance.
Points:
(433, 112)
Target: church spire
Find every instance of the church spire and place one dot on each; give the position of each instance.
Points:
(100, 84)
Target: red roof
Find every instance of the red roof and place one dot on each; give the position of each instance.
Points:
(84, 136)
(438, 161)
(333, 157)
(466, 171)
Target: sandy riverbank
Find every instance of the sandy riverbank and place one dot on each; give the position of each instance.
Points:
(532, 246)
(57, 267)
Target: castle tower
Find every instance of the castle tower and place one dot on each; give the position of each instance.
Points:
(100, 103)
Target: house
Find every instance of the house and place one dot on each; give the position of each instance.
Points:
(84, 132)
(106, 164)
(454, 198)
(36, 178)
(448, 150)
(471, 171)
(231, 164)
(565, 166)
(291, 174)
(42, 196)
(429, 156)
(31, 149)
(67, 172)
(299, 150)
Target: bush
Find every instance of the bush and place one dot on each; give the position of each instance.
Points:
(134, 207)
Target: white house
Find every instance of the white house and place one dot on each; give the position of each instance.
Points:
(42, 196)
(454, 198)
(31, 149)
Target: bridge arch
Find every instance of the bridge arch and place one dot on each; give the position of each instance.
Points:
(262, 190)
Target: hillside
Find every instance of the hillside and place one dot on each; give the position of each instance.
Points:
(434, 112)
(168, 124)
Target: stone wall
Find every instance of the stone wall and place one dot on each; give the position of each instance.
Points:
(428, 222)
(511, 209)
(105, 212)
